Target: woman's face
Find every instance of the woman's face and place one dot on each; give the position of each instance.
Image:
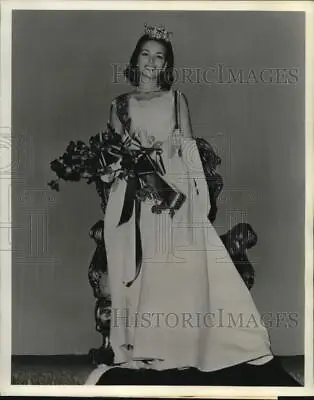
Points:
(151, 60)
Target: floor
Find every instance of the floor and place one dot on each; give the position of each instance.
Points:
(74, 370)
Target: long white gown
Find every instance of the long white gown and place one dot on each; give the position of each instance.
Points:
(189, 306)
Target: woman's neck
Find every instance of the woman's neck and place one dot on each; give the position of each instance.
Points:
(148, 87)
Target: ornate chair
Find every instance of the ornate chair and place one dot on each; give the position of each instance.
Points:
(237, 241)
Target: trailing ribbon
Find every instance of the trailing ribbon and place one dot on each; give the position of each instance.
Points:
(131, 203)
(129, 199)
(138, 242)
(145, 166)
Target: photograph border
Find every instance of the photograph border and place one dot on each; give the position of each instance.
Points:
(5, 209)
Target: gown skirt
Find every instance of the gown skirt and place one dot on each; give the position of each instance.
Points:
(188, 307)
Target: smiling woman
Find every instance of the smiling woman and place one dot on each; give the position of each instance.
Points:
(161, 263)
(151, 61)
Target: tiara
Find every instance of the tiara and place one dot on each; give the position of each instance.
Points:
(157, 32)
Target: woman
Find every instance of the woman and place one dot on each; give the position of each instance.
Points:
(188, 306)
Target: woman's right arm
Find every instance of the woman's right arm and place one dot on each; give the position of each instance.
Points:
(114, 119)
(115, 123)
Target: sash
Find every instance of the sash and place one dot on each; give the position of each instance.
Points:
(131, 202)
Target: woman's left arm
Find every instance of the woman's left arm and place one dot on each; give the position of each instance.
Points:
(185, 119)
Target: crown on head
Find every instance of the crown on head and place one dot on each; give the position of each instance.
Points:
(157, 32)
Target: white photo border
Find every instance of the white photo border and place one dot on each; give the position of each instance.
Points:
(5, 210)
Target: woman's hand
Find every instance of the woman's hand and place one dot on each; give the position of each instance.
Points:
(108, 178)
(144, 138)
(114, 167)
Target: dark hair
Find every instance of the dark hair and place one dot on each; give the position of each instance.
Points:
(165, 78)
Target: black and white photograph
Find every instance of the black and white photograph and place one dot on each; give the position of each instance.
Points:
(156, 214)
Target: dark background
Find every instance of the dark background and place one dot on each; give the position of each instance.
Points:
(62, 86)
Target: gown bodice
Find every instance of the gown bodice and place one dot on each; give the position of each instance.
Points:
(154, 117)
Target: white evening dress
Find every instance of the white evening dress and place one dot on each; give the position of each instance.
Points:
(189, 306)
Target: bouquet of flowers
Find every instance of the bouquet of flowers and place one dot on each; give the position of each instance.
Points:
(109, 156)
